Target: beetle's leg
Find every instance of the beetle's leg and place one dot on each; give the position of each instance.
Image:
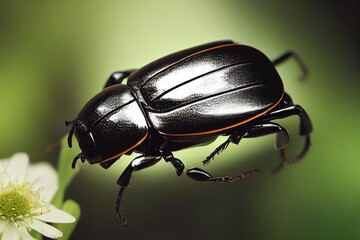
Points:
(200, 175)
(234, 138)
(80, 156)
(287, 99)
(305, 129)
(119, 198)
(285, 160)
(290, 110)
(217, 150)
(138, 163)
(71, 133)
(118, 77)
(285, 56)
(257, 130)
(178, 165)
(282, 136)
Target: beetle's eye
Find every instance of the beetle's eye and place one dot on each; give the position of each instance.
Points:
(71, 133)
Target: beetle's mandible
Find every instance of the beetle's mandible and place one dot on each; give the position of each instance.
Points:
(187, 99)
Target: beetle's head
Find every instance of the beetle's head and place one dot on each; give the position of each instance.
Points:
(109, 125)
(85, 140)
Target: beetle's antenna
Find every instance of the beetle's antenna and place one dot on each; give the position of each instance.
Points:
(119, 198)
(69, 139)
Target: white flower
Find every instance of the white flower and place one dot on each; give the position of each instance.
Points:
(25, 195)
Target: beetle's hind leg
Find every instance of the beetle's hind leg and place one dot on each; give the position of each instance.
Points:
(262, 129)
(282, 140)
(290, 54)
(257, 130)
(299, 157)
(286, 110)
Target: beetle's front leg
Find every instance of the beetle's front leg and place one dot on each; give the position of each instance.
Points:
(138, 163)
(80, 156)
(118, 77)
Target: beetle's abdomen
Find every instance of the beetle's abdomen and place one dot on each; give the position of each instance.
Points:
(212, 90)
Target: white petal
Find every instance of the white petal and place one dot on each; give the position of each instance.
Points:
(45, 229)
(11, 232)
(3, 225)
(44, 178)
(24, 235)
(3, 164)
(17, 167)
(56, 215)
(4, 178)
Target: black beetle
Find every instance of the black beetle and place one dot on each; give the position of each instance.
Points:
(187, 99)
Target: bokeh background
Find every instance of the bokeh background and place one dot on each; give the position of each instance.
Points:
(55, 55)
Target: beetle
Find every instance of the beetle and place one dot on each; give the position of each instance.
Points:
(187, 99)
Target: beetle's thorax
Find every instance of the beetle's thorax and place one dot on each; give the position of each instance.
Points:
(110, 124)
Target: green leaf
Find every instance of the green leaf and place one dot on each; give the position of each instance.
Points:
(65, 172)
(73, 208)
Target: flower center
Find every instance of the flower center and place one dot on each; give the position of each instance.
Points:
(18, 201)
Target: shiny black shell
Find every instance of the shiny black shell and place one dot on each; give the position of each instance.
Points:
(110, 124)
(207, 89)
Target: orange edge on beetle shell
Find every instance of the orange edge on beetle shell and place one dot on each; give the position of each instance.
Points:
(127, 150)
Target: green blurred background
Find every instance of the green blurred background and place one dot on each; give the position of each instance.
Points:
(55, 55)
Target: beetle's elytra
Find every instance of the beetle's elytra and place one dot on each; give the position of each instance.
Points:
(186, 99)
